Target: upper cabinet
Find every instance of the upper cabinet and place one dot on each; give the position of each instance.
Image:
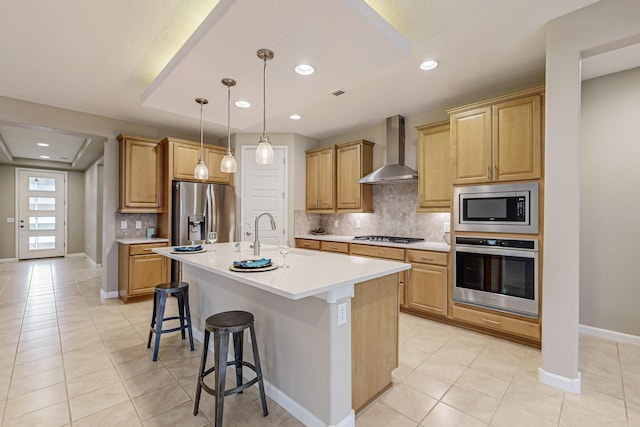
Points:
(141, 175)
(434, 167)
(321, 173)
(498, 140)
(354, 160)
(185, 156)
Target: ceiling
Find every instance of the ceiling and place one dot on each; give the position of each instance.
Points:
(146, 62)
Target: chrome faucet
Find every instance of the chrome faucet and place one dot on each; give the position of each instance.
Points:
(256, 241)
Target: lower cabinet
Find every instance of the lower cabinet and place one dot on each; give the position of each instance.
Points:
(140, 269)
(339, 247)
(427, 282)
(502, 323)
(308, 244)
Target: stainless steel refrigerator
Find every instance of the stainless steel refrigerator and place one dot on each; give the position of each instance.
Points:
(198, 208)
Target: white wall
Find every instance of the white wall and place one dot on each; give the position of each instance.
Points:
(603, 26)
(93, 212)
(609, 177)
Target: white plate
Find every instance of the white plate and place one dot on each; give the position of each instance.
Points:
(189, 252)
(273, 266)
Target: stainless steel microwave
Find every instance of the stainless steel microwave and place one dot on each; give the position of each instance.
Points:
(496, 208)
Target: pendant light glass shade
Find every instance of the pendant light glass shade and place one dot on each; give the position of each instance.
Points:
(264, 153)
(201, 171)
(228, 163)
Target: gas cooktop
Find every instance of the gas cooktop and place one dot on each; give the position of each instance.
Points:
(390, 239)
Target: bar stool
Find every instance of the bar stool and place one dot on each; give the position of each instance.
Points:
(160, 293)
(223, 324)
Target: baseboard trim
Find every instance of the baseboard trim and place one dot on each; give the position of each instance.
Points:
(77, 255)
(570, 385)
(282, 399)
(8, 260)
(108, 295)
(609, 335)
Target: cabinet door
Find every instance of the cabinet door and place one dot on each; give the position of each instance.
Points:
(313, 178)
(348, 173)
(471, 146)
(146, 271)
(213, 158)
(434, 168)
(326, 182)
(427, 288)
(517, 134)
(185, 159)
(141, 175)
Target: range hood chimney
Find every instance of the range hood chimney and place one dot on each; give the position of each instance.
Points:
(394, 170)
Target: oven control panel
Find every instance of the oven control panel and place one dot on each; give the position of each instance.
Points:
(503, 243)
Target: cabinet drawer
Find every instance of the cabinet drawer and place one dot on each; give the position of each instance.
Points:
(498, 322)
(377, 251)
(145, 248)
(427, 257)
(334, 247)
(308, 244)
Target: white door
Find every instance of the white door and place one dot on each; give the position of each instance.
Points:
(41, 213)
(264, 189)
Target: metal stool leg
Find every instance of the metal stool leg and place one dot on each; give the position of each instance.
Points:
(180, 298)
(153, 318)
(256, 360)
(203, 365)
(163, 302)
(221, 349)
(187, 312)
(237, 351)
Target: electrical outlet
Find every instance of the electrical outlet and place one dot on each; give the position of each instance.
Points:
(447, 227)
(336, 223)
(358, 223)
(123, 225)
(342, 314)
(138, 225)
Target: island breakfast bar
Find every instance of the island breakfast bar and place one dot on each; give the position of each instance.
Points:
(327, 328)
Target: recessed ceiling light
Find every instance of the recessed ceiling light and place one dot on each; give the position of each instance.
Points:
(243, 104)
(43, 144)
(295, 117)
(429, 64)
(45, 157)
(304, 69)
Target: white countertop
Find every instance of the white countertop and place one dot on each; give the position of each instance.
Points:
(139, 240)
(430, 246)
(312, 273)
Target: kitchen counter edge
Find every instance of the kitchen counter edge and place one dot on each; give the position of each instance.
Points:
(141, 240)
(428, 246)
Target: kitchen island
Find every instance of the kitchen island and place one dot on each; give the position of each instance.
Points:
(327, 327)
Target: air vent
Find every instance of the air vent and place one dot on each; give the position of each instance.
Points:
(337, 92)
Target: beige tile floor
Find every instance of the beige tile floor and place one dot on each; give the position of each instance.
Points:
(69, 358)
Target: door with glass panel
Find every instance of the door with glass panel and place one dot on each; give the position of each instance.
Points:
(41, 213)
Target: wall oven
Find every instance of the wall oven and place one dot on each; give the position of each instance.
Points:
(497, 273)
(496, 208)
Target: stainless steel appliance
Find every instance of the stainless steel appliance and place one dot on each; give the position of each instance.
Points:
(390, 239)
(198, 208)
(497, 273)
(498, 208)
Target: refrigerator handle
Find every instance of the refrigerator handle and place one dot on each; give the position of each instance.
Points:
(209, 208)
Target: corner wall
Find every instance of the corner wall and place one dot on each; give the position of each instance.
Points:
(7, 210)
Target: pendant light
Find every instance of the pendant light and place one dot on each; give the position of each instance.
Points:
(201, 171)
(228, 163)
(264, 153)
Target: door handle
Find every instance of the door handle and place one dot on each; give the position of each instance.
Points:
(488, 173)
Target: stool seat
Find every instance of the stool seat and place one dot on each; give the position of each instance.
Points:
(221, 325)
(229, 321)
(160, 293)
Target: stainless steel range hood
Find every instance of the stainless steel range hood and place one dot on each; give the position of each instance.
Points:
(395, 169)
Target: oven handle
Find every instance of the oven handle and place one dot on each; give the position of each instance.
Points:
(496, 251)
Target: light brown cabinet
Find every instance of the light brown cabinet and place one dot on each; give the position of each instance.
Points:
(529, 329)
(427, 282)
(320, 186)
(384, 252)
(308, 244)
(140, 269)
(141, 175)
(434, 167)
(184, 156)
(339, 247)
(354, 160)
(498, 140)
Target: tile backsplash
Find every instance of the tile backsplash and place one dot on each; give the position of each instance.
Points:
(147, 220)
(394, 207)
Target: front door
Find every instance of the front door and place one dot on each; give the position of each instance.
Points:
(41, 213)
